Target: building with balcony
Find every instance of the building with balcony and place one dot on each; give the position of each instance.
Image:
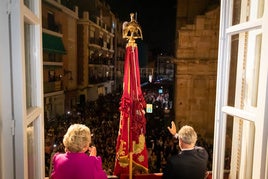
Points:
(59, 22)
(165, 67)
(96, 54)
(120, 49)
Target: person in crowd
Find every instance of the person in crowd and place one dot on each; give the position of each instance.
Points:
(191, 161)
(79, 160)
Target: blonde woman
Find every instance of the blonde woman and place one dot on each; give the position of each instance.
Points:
(75, 163)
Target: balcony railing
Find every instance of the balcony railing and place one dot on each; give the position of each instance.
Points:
(53, 27)
(69, 4)
(96, 41)
(100, 23)
(101, 60)
(52, 57)
(95, 80)
(55, 86)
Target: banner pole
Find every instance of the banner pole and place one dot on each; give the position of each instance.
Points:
(130, 164)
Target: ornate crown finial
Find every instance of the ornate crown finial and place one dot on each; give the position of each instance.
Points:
(132, 30)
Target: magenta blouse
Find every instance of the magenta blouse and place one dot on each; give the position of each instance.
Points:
(77, 166)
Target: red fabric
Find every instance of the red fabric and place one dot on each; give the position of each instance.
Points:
(132, 127)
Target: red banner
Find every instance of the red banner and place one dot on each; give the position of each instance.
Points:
(131, 145)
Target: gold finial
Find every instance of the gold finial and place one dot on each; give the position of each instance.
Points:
(132, 30)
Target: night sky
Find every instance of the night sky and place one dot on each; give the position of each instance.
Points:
(157, 19)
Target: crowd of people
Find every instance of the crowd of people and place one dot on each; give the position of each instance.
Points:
(102, 117)
(158, 94)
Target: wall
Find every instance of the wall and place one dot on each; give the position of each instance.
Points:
(195, 78)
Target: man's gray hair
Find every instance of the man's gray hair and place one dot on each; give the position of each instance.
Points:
(187, 134)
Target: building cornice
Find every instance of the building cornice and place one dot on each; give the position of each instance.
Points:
(64, 9)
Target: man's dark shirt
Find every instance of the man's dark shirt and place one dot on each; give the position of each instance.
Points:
(188, 164)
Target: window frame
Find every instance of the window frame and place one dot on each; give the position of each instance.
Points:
(258, 116)
(23, 116)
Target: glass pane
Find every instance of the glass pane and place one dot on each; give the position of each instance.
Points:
(244, 69)
(240, 13)
(27, 3)
(260, 8)
(228, 144)
(255, 71)
(236, 11)
(30, 151)
(28, 33)
(30, 4)
(233, 69)
(251, 66)
(240, 136)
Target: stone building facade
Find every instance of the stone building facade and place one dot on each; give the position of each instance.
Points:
(59, 23)
(196, 70)
(96, 52)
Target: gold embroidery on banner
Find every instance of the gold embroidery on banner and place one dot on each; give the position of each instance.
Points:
(138, 148)
(123, 159)
(141, 158)
(120, 124)
(121, 150)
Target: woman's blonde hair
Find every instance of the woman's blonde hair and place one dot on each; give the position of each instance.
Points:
(76, 138)
(188, 135)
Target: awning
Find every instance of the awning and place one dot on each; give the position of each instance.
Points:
(53, 44)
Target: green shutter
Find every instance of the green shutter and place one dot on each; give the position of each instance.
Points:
(53, 44)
